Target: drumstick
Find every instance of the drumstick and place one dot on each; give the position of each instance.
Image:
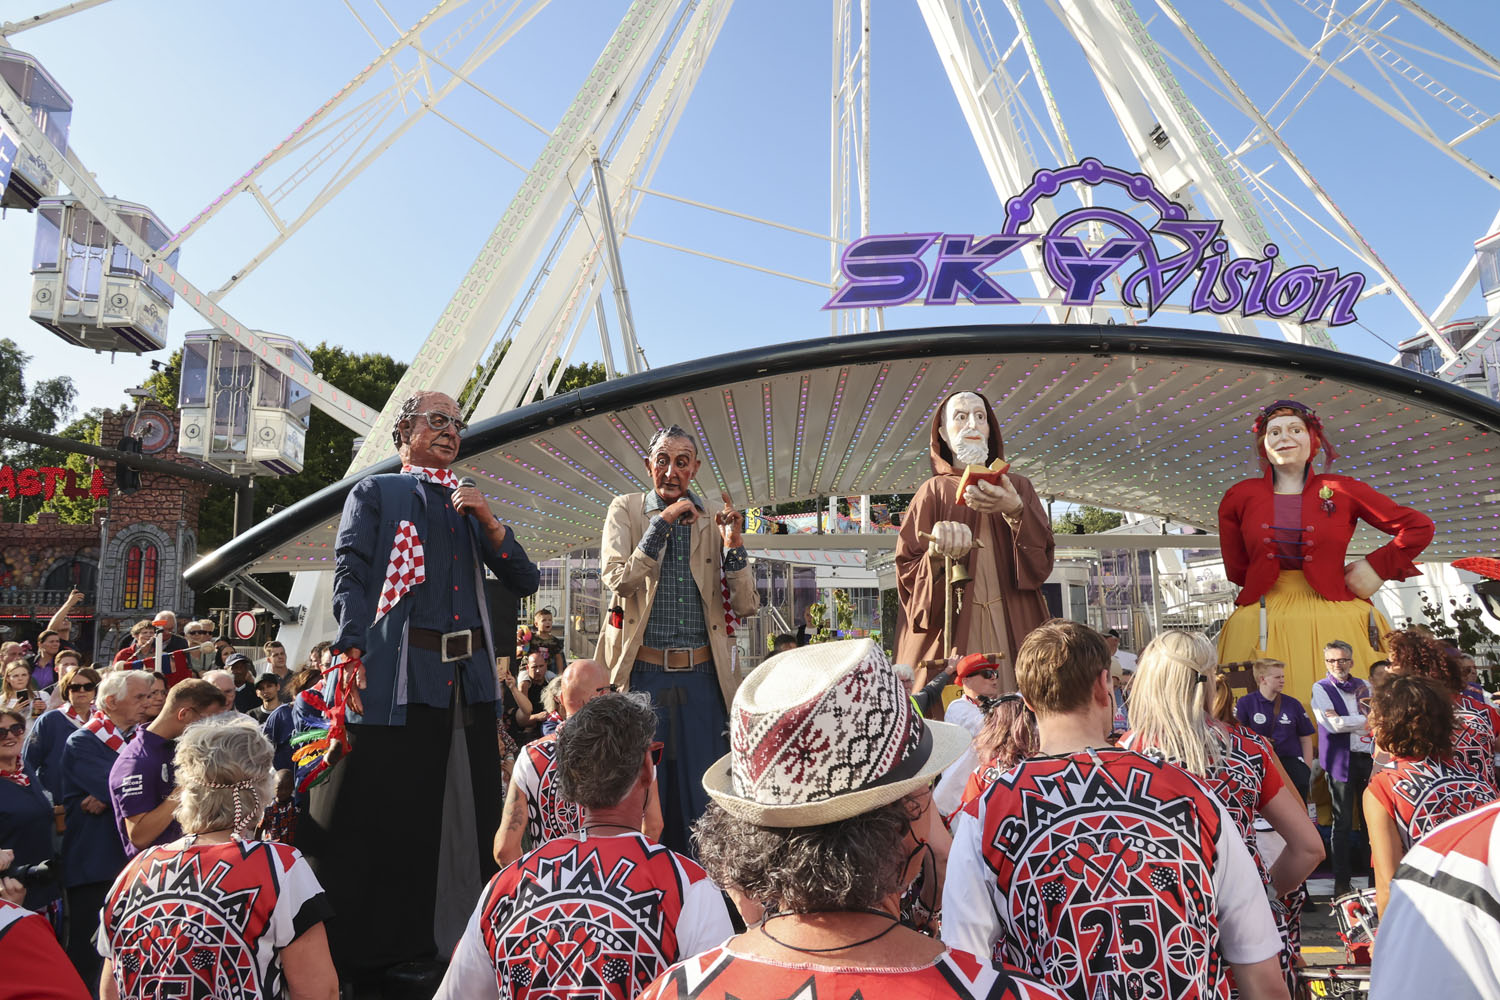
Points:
(928, 537)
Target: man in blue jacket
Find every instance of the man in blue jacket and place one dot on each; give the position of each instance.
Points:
(411, 554)
(91, 851)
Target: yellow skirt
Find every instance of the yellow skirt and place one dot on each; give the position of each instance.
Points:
(1299, 622)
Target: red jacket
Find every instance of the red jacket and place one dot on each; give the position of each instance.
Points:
(1248, 510)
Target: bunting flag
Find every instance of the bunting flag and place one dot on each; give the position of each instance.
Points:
(176, 666)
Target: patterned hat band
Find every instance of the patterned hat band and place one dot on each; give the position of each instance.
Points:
(824, 732)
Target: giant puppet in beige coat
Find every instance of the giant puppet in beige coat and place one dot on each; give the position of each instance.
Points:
(633, 576)
(669, 564)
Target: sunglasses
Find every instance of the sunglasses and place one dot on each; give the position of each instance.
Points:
(15, 731)
(656, 749)
(197, 631)
(988, 673)
(81, 687)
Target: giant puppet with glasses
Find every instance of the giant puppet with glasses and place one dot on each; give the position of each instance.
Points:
(1286, 537)
(399, 830)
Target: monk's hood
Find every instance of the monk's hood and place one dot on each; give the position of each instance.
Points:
(942, 458)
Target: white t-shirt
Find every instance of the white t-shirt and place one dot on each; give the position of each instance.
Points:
(599, 917)
(950, 787)
(208, 921)
(1440, 933)
(1105, 895)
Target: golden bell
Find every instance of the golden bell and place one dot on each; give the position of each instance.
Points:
(958, 574)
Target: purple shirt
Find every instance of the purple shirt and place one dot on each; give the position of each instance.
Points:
(1283, 732)
(141, 780)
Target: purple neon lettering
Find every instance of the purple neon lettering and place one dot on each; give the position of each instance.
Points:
(1080, 273)
(888, 270)
(1164, 277)
(961, 264)
(882, 271)
(1346, 289)
(1302, 281)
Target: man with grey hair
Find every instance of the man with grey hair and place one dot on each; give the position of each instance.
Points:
(534, 804)
(1340, 704)
(603, 913)
(415, 672)
(668, 564)
(92, 854)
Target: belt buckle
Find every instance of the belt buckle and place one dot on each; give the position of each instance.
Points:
(468, 647)
(666, 659)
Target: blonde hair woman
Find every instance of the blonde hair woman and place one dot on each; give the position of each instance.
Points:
(263, 920)
(1171, 698)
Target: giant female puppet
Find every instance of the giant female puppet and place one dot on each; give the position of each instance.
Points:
(1285, 537)
(1000, 534)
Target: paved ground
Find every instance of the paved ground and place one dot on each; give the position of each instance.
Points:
(1321, 945)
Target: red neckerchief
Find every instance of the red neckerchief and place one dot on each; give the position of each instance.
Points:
(101, 727)
(438, 477)
(18, 776)
(73, 716)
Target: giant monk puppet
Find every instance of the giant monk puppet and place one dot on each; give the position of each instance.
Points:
(1000, 534)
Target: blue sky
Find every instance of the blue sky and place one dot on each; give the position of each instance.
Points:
(176, 98)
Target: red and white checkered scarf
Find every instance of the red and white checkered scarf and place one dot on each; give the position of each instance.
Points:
(430, 474)
(407, 566)
(101, 727)
(73, 716)
(17, 776)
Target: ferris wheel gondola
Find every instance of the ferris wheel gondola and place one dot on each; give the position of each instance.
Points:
(87, 285)
(24, 175)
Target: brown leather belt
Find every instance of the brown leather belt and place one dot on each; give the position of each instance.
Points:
(676, 658)
(452, 645)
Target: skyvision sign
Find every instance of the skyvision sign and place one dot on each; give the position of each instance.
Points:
(890, 270)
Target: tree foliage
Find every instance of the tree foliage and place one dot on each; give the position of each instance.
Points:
(78, 510)
(40, 405)
(1467, 629)
(1087, 520)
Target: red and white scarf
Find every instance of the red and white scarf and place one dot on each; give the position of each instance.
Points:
(73, 716)
(730, 618)
(407, 565)
(101, 727)
(17, 776)
(429, 474)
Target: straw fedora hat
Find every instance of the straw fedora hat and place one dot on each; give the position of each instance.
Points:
(825, 732)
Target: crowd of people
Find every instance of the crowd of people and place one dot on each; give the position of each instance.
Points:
(1017, 807)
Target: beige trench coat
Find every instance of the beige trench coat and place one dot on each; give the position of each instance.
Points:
(632, 576)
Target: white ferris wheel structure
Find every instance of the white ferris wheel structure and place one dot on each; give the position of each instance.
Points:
(551, 276)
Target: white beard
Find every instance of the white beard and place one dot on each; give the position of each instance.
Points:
(970, 453)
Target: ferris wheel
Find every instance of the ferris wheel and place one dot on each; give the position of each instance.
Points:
(1215, 123)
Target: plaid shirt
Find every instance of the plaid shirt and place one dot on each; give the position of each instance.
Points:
(677, 617)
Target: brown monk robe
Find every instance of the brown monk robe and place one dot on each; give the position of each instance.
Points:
(1004, 602)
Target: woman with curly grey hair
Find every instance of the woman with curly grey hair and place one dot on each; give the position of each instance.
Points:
(820, 815)
(215, 913)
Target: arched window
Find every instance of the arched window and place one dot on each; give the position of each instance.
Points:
(80, 571)
(140, 576)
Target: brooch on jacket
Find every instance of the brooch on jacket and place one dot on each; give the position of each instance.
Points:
(1326, 495)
